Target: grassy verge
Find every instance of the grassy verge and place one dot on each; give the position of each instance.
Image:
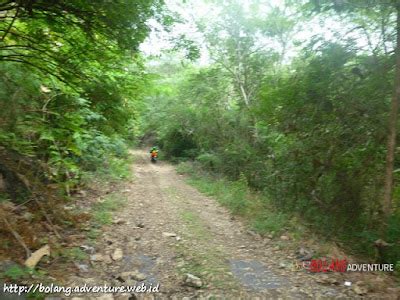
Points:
(113, 172)
(203, 259)
(241, 201)
(256, 210)
(199, 255)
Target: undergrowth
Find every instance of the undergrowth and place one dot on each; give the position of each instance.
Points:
(113, 169)
(263, 217)
(111, 173)
(102, 210)
(239, 199)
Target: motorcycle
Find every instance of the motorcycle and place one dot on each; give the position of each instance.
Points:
(154, 158)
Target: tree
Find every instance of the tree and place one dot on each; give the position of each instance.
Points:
(393, 123)
(382, 15)
(71, 76)
(60, 37)
(235, 43)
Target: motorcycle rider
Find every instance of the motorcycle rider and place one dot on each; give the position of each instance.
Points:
(154, 152)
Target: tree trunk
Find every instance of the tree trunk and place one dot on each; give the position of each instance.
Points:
(391, 144)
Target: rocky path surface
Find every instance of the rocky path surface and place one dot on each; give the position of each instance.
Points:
(167, 230)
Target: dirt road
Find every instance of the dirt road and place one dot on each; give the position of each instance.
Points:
(167, 229)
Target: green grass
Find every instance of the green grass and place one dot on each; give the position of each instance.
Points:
(210, 266)
(195, 225)
(233, 195)
(204, 259)
(186, 168)
(102, 211)
(120, 168)
(269, 223)
(397, 269)
(68, 254)
(74, 254)
(16, 273)
(263, 218)
(4, 197)
(189, 216)
(172, 191)
(93, 233)
(239, 199)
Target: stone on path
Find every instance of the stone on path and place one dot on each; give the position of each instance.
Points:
(136, 275)
(97, 257)
(103, 297)
(169, 234)
(193, 281)
(360, 288)
(117, 254)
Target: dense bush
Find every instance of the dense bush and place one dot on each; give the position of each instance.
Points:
(71, 80)
(311, 133)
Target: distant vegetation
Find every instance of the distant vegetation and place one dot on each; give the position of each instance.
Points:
(309, 131)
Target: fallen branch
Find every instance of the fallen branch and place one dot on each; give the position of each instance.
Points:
(47, 218)
(16, 235)
(34, 259)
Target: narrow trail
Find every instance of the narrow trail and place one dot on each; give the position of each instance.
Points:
(167, 228)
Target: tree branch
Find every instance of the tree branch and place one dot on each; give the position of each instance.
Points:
(10, 26)
(16, 235)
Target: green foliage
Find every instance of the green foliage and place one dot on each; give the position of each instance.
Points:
(94, 233)
(4, 197)
(309, 132)
(103, 217)
(16, 272)
(69, 90)
(271, 222)
(74, 254)
(397, 268)
(71, 40)
(305, 128)
(238, 197)
(209, 161)
(64, 132)
(229, 194)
